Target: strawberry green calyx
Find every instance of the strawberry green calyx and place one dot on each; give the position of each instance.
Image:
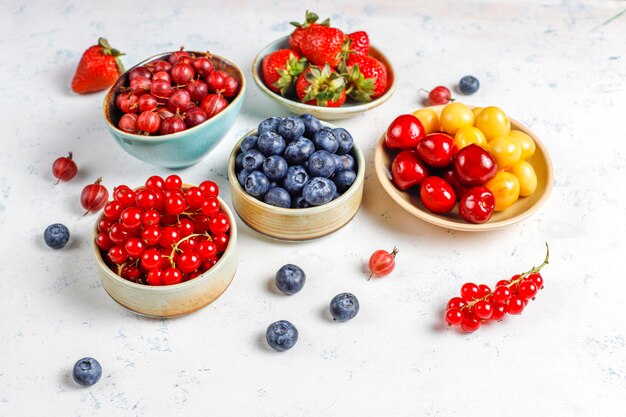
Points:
(289, 74)
(310, 17)
(324, 85)
(359, 88)
(108, 50)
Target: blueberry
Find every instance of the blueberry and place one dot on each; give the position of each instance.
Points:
(291, 128)
(344, 179)
(241, 176)
(344, 307)
(321, 164)
(56, 236)
(295, 179)
(253, 159)
(290, 279)
(275, 167)
(319, 191)
(271, 143)
(256, 184)
(298, 151)
(239, 161)
(299, 202)
(278, 197)
(343, 162)
(248, 143)
(344, 138)
(311, 124)
(281, 335)
(468, 84)
(274, 184)
(268, 125)
(87, 371)
(325, 139)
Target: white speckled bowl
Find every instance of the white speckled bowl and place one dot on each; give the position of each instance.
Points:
(349, 109)
(172, 300)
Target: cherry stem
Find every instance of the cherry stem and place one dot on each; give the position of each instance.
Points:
(521, 277)
(393, 253)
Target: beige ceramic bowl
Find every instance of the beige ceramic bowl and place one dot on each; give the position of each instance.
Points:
(349, 109)
(519, 211)
(296, 224)
(172, 300)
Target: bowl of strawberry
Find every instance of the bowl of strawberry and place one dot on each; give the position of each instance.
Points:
(464, 168)
(166, 249)
(172, 109)
(321, 70)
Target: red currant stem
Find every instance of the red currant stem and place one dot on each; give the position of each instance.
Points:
(175, 246)
(516, 281)
(393, 253)
(120, 267)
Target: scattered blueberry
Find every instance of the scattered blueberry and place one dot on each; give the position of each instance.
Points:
(295, 179)
(344, 162)
(298, 151)
(325, 139)
(311, 124)
(256, 184)
(278, 197)
(468, 85)
(56, 235)
(268, 125)
(344, 138)
(291, 128)
(275, 167)
(239, 161)
(271, 143)
(252, 160)
(299, 202)
(344, 307)
(321, 164)
(241, 177)
(344, 179)
(281, 335)
(290, 279)
(87, 371)
(319, 191)
(248, 143)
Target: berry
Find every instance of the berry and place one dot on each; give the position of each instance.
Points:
(501, 294)
(94, 196)
(454, 317)
(134, 247)
(173, 182)
(483, 309)
(382, 263)
(275, 167)
(527, 289)
(515, 305)
(345, 140)
(281, 335)
(318, 191)
(98, 69)
(344, 162)
(470, 324)
(295, 179)
(172, 276)
(469, 291)
(290, 279)
(367, 77)
(322, 45)
(290, 128)
(268, 125)
(188, 261)
(209, 189)
(325, 139)
(280, 70)
(64, 168)
(179, 101)
(278, 197)
(439, 95)
(248, 143)
(311, 124)
(359, 43)
(456, 302)
(537, 279)
(213, 104)
(220, 223)
(256, 183)
(343, 180)
(321, 87)
(148, 122)
(253, 160)
(344, 307)
(270, 143)
(131, 218)
(87, 371)
(321, 164)
(56, 236)
(299, 151)
(468, 85)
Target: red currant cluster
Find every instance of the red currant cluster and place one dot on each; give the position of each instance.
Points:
(163, 233)
(169, 96)
(478, 303)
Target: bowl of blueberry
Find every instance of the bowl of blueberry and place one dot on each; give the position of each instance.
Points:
(296, 178)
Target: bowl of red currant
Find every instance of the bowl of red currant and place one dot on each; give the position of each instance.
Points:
(172, 109)
(166, 249)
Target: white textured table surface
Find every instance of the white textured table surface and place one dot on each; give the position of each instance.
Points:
(552, 65)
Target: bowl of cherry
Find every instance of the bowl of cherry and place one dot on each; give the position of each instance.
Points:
(172, 109)
(166, 249)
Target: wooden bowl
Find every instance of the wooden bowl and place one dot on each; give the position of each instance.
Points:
(172, 300)
(291, 103)
(523, 208)
(296, 224)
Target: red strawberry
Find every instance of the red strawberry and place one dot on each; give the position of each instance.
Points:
(321, 87)
(367, 77)
(296, 37)
(281, 69)
(359, 43)
(98, 69)
(323, 45)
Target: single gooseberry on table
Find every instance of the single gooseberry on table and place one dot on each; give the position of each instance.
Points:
(382, 263)
(64, 168)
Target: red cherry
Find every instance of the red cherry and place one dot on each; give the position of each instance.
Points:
(450, 177)
(64, 168)
(408, 170)
(437, 195)
(439, 95)
(437, 149)
(477, 205)
(404, 132)
(474, 166)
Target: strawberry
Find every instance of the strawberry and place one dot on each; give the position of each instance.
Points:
(366, 77)
(321, 87)
(323, 45)
(281, 69)
(296, 37)
(359, 43)
(98, 69)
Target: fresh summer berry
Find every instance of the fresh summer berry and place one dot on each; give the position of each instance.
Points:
(118, 233)
(188, 261)
(321, 164)
(98, 69)
(454, 317)
(275, 167)
(318, 191)
(527, 289)
(474, 166)
(295, 179)
(131, 218)
(253, 159)
(213, 104)
(470, 324)
(469, 291)
(344, 307)
(128, 123)
(172, 276)
(118, 254)
(321, 87)
(301, 28)
(179, 101)
(209, 188)
(271, 143)
(439, 95)
(140, 85)
(408, 170)
(281, 69)
(344, 179)
(468, 85)
(345, 140)
(457, 303)
(477, 205)
(56, 236)
(367, 77)
(382, 263)
(311, 124)
(103, 241)
(322, 45)
(404, 132)
(268, 125)
(139, 72)
(64, 168)
(325, 139)
(290, 279)
(299, 151)
(291, 128)
(537, 279)
(220, 223)
(86, 372)
(281, 335)
(248, 143)
(436, 149)
(94, 196)
(501, 294)
(278, 197)
(483, 309)
(221, 242)
(359, 43)
(210, 206)
(134, 247)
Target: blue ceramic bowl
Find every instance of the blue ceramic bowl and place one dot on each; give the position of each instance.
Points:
(182, 149)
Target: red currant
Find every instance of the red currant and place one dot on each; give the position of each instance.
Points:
(194, 198)
(104, 241)
(499, 311)
(175, 205)
(469, 291)
(537, 279)
(188, 261)
(501, 294)
(145, 199)
(221, 242)
(210, 206)
(130, 272)
(189, 244)
(155, 183)
(131, 218)
(104, 224)
(515, 305)
(527, 289)
(151, 259)
(483, 309)
(454, 316)
(503, 283)
(169, 236)
(155, 277)
(456, 303)
(134, 247)
(124, 195)
(209, 188)
(118, 255)
(173, 182)
(483, 290)
(185, 227)
(220, 223)
(151, 217)
(207, 249)
(118, 233)
(470, 324)
(172, 276)
(201, 222)
(151, 234)
(112, 210)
